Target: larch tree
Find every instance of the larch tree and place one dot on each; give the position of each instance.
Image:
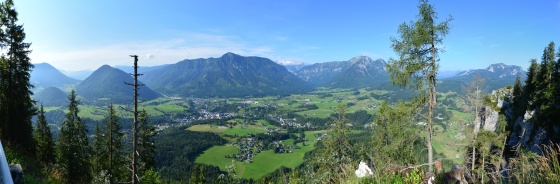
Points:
(43, 139)
(418, 49)
(74, 151)
(17, 107)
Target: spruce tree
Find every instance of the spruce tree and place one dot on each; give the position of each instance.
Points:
(43, 139)
(418, 49)
(99, 154)
(73, 146)
(113, 135)
(146, 142)
(109, 161)
(531, 85)
(15, 66)
(519, 103)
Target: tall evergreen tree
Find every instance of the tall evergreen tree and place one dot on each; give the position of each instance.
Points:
(99, 154)
(17, 107)
(519, 103)
(113, 142)
(73, 146)
(418, 48)
(531, 84)
(146, 142)
(109, 160)
(43, 139)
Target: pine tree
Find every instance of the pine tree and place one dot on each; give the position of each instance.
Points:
(15, 66)
(418, 49)
(43, 139)
(146, 142)
(73, 146)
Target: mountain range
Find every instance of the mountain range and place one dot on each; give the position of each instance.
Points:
(232, 75)
(357, 72)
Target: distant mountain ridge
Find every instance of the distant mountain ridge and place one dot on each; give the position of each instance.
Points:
(499, 70)
(45, 75)
(496, 76)
(108, 82)
(357, 72)
(230, 75)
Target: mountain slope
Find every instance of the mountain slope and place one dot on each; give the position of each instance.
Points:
(231, 75)
(141, 69)
(357, 72)
(51, 96)
(45, 75)
(496, 76)
(108, 82)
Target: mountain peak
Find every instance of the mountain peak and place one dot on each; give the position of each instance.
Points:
(360, 58)
(499, 70)
(230, 55)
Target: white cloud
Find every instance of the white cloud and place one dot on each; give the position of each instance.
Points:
(188, 46)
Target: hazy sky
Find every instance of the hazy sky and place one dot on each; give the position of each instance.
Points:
(77, 35)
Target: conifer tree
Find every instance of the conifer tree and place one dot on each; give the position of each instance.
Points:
(146, 142)
(43, 139)
(15, 66)
(109, 160)
(73, 146)
(393, 138)
(531, 84)
(519, 103)
(418, 48)
(99, 154)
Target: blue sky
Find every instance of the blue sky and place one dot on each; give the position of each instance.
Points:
(83, 35)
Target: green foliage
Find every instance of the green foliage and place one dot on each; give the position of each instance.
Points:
(332, 159)
(17, 106)
(175, 158)
(393, 135)
(73, 153)
(43, 140)
(150, 176)
(416, 176)
(109, 155)
(418, 49)
(146, 142)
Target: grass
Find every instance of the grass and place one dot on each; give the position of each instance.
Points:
(263, 163)
(238, 130)
(208, 128)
